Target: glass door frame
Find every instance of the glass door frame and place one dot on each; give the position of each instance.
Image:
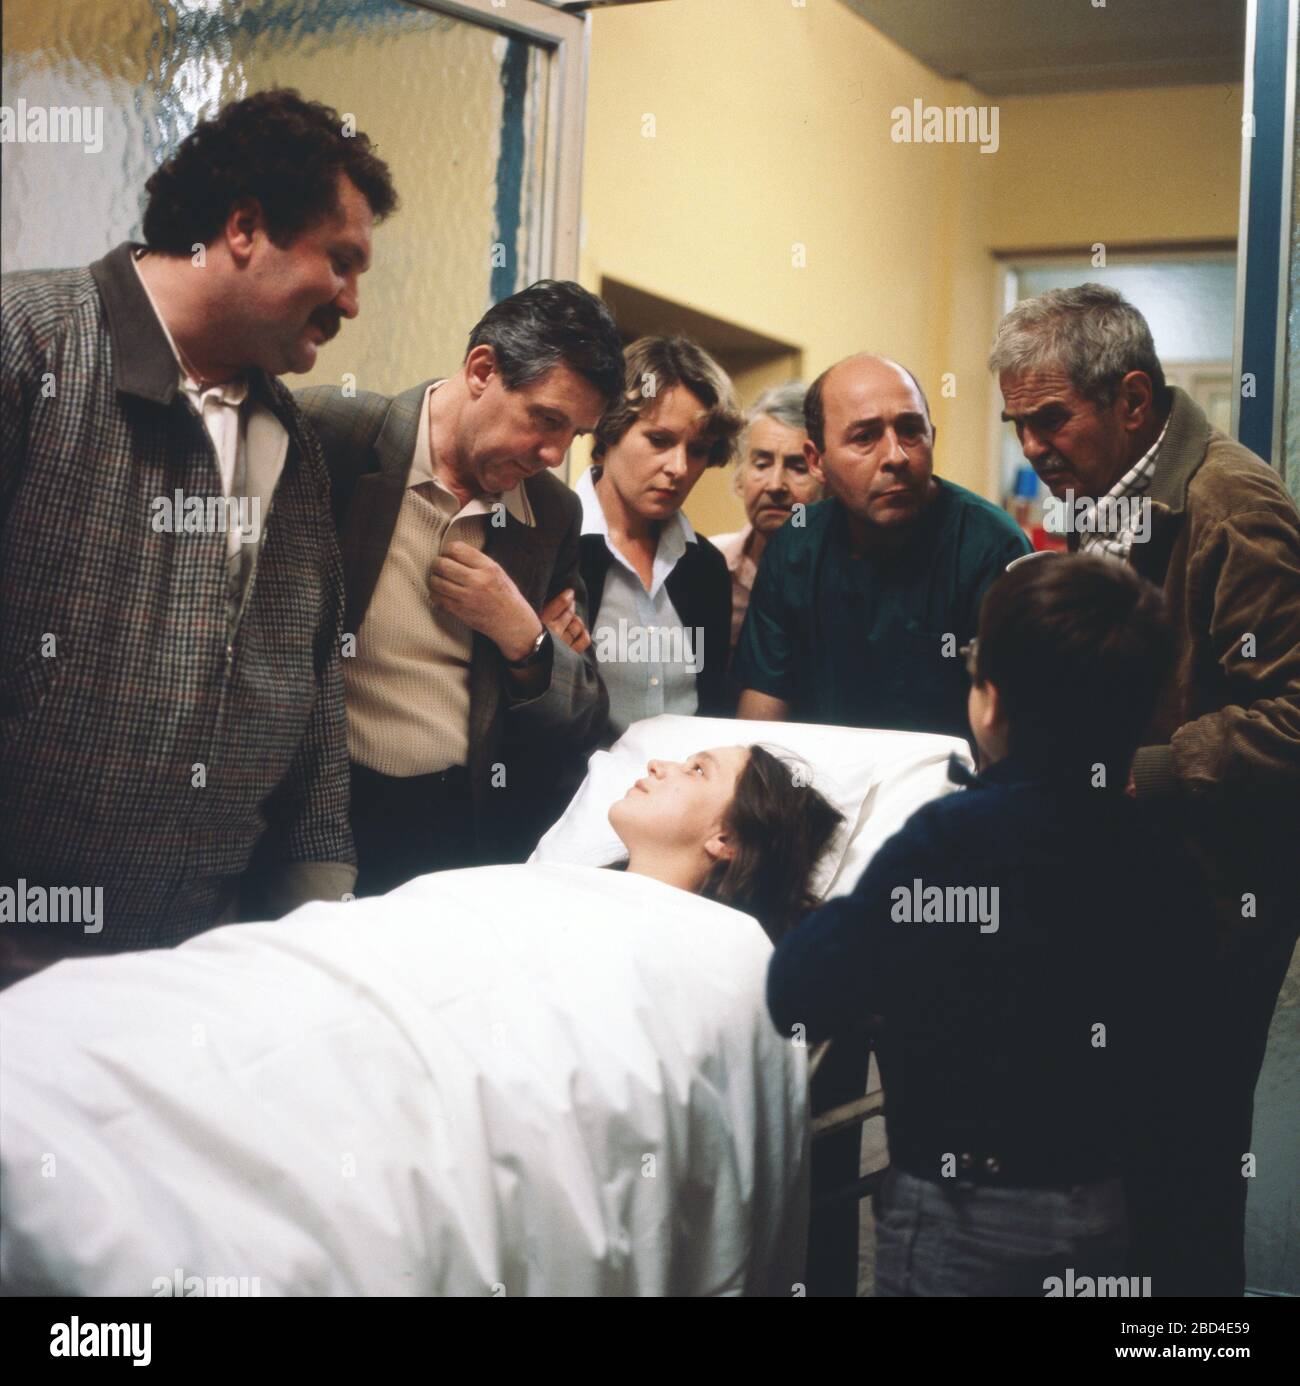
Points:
(564, 38)
(1267, 172)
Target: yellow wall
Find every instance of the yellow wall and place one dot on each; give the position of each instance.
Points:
(772, 127)
(1161, 163)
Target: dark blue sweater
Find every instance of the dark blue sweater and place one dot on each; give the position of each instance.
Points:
(989, 1040)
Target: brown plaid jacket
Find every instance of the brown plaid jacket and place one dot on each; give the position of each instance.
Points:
(142, 748)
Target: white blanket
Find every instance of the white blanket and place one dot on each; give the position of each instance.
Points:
(514, 1080)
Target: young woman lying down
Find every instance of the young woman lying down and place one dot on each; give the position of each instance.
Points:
(508, 1080)
(732, 824)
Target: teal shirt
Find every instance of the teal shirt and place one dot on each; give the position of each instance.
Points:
(859, 641)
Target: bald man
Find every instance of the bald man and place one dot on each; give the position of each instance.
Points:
(863, 601)
(860, 607)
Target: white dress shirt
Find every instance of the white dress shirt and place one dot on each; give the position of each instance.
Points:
(251, 445)
(646, 659)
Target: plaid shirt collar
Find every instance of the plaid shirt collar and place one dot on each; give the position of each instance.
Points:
(144, 362)
(1134, 482)
(1138, 477)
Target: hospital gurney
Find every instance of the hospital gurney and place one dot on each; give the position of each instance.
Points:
(509, 1080)
(504, 1081)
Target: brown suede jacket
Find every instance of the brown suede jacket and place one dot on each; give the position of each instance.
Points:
(1224, 746)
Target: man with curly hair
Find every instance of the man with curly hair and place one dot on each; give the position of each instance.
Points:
(171, 594)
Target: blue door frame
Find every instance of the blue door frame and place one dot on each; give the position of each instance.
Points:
(1264, 249)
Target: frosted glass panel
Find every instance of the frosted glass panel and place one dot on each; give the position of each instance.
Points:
(1189, 304)
(457, 110)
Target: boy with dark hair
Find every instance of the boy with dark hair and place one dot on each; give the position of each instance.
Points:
(1018, 942)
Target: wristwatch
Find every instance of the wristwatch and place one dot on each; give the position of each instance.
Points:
(535, 655)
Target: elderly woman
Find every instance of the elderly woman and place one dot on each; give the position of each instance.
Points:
(660, 593)
(772, 477)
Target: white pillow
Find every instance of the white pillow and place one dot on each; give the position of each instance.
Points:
(876, 779)
(911, 769)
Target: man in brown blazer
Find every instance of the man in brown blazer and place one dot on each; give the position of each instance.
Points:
(1138, 473)
(460, 554)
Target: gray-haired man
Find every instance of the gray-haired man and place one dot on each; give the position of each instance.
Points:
(1141, 475)
(465, 699)
(771, 478)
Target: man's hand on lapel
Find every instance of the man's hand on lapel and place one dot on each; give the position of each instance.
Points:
(477, 590)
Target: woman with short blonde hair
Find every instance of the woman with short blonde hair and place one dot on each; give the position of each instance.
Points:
(660, 594)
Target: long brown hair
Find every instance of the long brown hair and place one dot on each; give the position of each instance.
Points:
(780, 826)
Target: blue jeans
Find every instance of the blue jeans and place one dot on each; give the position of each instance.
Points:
(952, 1238)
